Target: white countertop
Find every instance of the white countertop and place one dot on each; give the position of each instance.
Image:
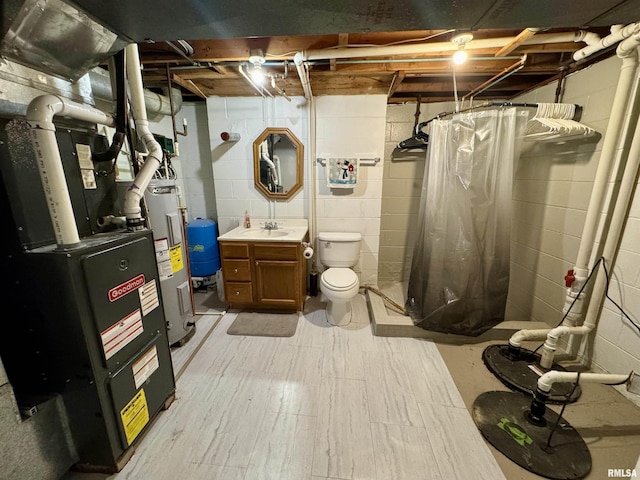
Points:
(289, 230)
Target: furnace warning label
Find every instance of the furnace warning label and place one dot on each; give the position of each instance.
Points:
(119, 335)
(175, 253)
(86, 166)
(149, 297)
(135, 415)
(144, 367)
(163, 259)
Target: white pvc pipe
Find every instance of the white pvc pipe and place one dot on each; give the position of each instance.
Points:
(618, 215)
(546, 381)
(611, 144)
(605, 164)
(617, 34)
(299, 60)
(278, 170)
(434, 47)
(40, 115)
(616, 229)
(524, 335)
(135, 192)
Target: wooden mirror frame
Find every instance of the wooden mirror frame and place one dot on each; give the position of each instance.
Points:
(299, 163)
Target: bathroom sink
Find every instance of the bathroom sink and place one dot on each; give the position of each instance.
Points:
(295, 230)
(262, 233)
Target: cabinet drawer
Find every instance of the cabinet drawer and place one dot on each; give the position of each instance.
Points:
(238, 292)
(234, 250)
(270, 251)
(234, 270)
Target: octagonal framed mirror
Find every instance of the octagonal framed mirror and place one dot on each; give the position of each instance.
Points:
(278, 163)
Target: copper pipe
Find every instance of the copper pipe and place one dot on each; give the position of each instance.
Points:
(497, 77)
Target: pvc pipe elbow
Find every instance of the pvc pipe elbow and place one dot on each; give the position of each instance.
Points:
(557, 332)
(627, 50)
(299, 58)
(42, 109)
(546, 381)
(522, 335)
(590, 38)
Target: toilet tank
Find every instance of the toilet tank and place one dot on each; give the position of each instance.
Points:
(339, 249)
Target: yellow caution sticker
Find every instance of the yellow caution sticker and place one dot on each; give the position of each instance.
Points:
(135, 415)
(175, 254)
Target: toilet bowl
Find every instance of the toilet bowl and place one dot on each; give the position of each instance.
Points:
(339, 283)
(339, 286)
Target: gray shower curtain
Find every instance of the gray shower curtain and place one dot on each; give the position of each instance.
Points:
(460, 267)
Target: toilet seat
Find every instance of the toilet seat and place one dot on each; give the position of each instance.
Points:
(339, 279)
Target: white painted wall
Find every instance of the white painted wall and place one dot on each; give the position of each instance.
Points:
(347, 126)
(233, 161)
(551, 194)
(353, 126)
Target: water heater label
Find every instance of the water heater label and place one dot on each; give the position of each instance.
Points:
(144, 367)
(122, 333)
(127, 287)
(163, 259)
(149, 297)
(175, 253)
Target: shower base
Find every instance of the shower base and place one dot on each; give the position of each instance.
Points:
(387, 322)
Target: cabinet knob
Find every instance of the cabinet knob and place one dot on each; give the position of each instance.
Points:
(235, 270)
(257, 263)
(237, 292)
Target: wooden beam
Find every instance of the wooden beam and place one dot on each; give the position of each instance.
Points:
(395, 83)
(343, 40)
(188, 85)
(522, 37)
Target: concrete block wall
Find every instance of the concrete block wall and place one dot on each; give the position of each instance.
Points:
(346, 126)
(401, 189)
(353, 127)
(232, 162)
(551, 193)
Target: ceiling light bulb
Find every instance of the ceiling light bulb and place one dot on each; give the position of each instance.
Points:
(459, 57)
(257, 75)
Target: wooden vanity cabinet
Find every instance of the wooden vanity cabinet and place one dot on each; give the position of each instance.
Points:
(267, 275)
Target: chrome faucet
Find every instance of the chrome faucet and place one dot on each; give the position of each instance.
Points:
(270, 225)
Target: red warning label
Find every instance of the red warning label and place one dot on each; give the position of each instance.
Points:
(127, 287)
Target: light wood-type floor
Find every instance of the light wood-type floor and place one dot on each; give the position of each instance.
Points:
(328, 403)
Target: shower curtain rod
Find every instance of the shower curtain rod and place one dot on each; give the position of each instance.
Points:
(420, 139)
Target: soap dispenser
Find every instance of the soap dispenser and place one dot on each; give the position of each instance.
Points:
(247, 220)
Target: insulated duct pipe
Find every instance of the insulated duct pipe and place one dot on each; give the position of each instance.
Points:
(611, 144)
(40, 115)
(155, 104)
(616, 228)
(135, 192)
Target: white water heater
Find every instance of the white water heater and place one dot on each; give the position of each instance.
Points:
(165, 221)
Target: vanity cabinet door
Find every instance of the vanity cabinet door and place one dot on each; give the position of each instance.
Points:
(277, 282)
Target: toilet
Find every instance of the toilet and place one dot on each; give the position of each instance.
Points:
(338, 252)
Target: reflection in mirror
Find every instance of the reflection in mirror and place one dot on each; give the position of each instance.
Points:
(278, 163)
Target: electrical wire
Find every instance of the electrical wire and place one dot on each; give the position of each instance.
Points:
(564, 405)
(602, 261)
(606, 274)
(570, 394)
(360, 45)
